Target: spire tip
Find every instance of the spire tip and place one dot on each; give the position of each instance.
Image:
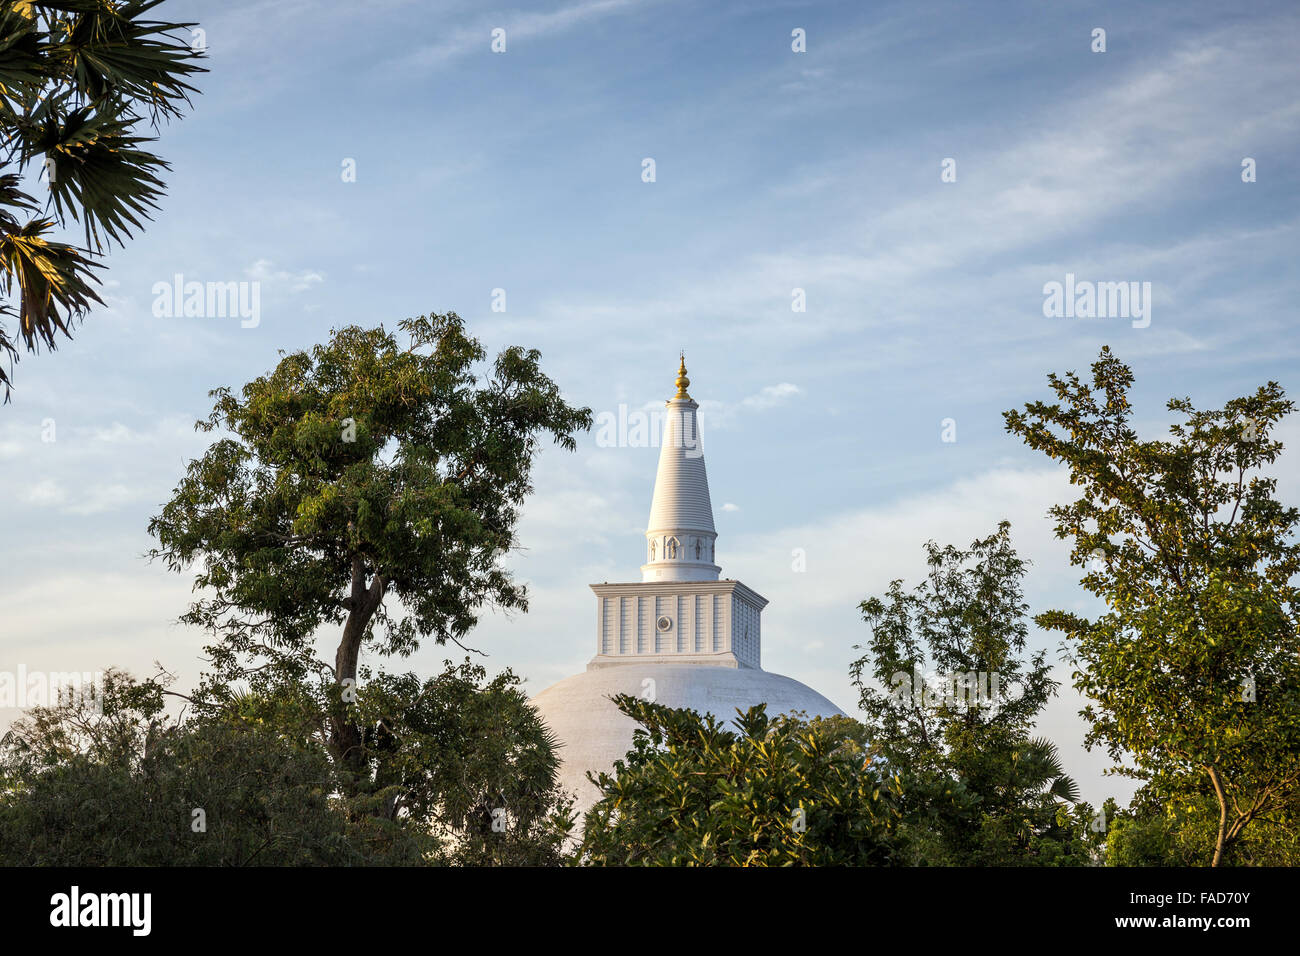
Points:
(683, 382)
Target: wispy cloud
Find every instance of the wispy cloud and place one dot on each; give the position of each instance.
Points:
(264, 271)
(518, 26)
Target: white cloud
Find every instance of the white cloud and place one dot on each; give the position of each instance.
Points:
(45, 493)
(518, 26)
(723, 414)
(263, 270)
(88, 500)
(852, 554)
(771, 396)
(115, 434)
(98, 499)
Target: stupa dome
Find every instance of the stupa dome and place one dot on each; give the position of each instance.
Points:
(594, 733)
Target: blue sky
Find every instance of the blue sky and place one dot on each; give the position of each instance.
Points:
(775, 170)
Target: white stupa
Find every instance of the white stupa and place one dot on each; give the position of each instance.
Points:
(682, 636)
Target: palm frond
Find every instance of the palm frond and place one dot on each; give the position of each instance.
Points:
(52, 280)
(98, 170)
(76, 78)
(1064, 788)
(116, 54)
(1043, 762)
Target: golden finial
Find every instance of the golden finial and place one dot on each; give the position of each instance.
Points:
(683, 382)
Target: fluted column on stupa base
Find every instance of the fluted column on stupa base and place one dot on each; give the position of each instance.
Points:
(714, 622)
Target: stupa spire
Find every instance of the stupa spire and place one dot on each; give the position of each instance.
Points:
(680, 535)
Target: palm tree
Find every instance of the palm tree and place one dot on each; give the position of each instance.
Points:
(77, 80)
(1035, 785)
(1038, 770)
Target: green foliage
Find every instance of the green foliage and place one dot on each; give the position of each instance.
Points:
(79, 788)
(1184, 833)
(979, 789)
(1193, 670)
(371, 486)
(118, 785)
(467, 759)
(77, 79)
(780, 792)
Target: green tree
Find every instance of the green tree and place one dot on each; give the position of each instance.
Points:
(1183, 832)
(466, 778)
(1192, 671)
(112, 781)
(78, 79)
(773, 792)
(371, 488)
(952, 707)
(469, 760)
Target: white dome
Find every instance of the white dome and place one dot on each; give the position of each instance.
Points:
(593, 733)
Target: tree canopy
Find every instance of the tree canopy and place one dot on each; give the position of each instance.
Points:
(466, 778)
(771, 792)
(116, 782)
(1193, 670)
(951, 695)
(367, 490)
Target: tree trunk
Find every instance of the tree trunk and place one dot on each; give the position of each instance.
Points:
(345, 736)
(1221, 841)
